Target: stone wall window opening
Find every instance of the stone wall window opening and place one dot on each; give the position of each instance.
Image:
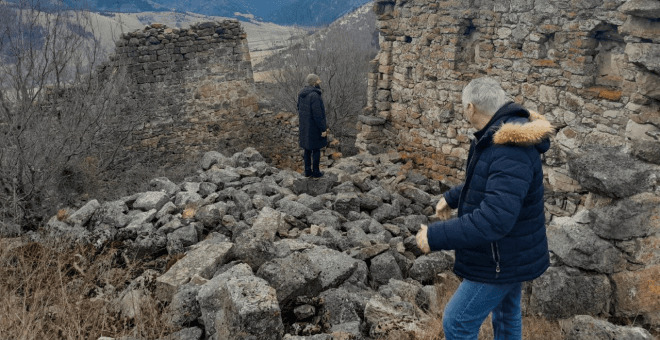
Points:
(409, 72)
(407, 39)
(384, 7)
(469, 28)
(608, 54)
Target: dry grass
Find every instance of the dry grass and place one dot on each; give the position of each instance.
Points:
(534, 327)
(46, 294)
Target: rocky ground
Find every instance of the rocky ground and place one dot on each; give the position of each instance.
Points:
(260, 253)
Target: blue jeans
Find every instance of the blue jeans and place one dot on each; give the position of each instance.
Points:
(472, 303)
(312, 159)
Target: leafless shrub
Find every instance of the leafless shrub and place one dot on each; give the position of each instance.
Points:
(56, 114)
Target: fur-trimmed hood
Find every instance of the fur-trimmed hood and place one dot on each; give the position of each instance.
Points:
(533, 132)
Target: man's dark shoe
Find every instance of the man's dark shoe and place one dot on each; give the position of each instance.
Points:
(317, 174)
(308, 175)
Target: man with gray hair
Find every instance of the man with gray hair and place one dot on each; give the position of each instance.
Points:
(499, 234)
(313, 125)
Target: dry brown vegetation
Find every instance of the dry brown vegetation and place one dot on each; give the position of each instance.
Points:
(50, 294)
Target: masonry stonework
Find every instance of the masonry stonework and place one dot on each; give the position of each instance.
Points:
(591, 67)
(199, 81)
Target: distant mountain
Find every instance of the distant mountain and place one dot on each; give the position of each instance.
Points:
(282, 12)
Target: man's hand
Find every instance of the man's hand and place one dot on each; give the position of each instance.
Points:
(442, 210)
(422, 240)
(324, 134)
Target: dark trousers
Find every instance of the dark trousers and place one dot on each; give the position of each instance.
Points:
(312, 159)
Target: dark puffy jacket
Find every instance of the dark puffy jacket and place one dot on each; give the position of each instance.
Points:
(499, 235)
(311, 115)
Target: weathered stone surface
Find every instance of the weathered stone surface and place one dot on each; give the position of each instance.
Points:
(293, 276)
(609, 172)
(304, 312)
(184, 307)
(367, 253)
(586, 327)
(636, 216)
(647, 55)
(202, 261)
(82, 215)
(211, 215)
(384, 213)
(647, 150)
(428, 266)
(238, 305)
(642, 8)
(637, 292)
(346, 202)
(295, 209)
(113, 213)
(253, 247)
(164, 184)
(562, 292)
(578, 245)
(185, 197)
(270, 221)
(214, 157)
(187, 235)
(372, 120)
(192, 333)
(222, 176)
(340, 306)
(418, 196)
(335, 266)
(330, 218)
(383, 268)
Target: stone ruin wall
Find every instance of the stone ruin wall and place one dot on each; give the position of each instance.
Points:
(591, 67)
(200, 81)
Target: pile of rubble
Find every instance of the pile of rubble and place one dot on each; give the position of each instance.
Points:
(265, 253)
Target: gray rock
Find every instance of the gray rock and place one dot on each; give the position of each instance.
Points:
(203, 260)
(311, 202)
(647, 150)
(295, 209)
(353, 330)
(367, 253)
(187, 235)
(171, 226)
(609, 172)
(113, 213)
(346, 202)
(362, 224)
(340, 306)
(184, 197)
(174, 246)
(261, 201)
(383, 267)
(382, 193)
(336, 267)
(311, 337)
(184, 308)
(407, 291)
(428, 266)
(358, 238)
(83, 215)
(269, 222)
(213, 157)
(206, 188)
(414, 222)
(312, 186)
(346, 188)
(245, 307)
(416, 195)
(579, 246)
(371, 120)
(384, 213)
(146, 244)
(190, 186)
(293, 276)
(586, 327)
(192, 333)
(242, 201)
(252, 155)
(167, 209)
(211, 215)
(222, 176)
(151, 200)
(304, 312)
(370, 202)
(164, 184)
(627, 218)
(330, 218)
(139, 219)
(253, 247)
(642, 8)
(562, 292)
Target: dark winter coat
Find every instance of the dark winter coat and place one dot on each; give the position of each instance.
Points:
(499, 235)
(311, 116)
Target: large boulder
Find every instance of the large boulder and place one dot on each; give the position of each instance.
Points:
(383, 317)
(426, 267)
(632, 217)
(184, 308)
(82, 215)
(293, 276)
(562, 292)
(341, 306)
(335, 266)
(151, 200)
(638, 293)
(586, 327)
(578, 245)
(254, 247)
(295, 209)
(203, 260)
(610, 172)
(383, 268)
(269, 222)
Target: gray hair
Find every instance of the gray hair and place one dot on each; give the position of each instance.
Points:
(312, 79)
(485, 94)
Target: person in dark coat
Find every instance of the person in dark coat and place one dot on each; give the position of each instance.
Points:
(313, 125)
(499, 234)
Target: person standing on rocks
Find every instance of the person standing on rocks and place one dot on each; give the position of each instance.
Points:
(313, 125)
(499, 234)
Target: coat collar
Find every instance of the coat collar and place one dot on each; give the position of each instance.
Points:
(512, 124)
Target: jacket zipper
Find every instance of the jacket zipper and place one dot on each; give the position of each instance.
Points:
(497, 260)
